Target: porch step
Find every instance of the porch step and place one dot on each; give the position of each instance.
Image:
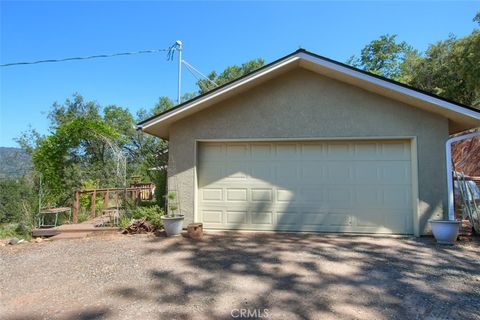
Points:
(45, 232)
(74, 231)
(84, 227)
(74, 235)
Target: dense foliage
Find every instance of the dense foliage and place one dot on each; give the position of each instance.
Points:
(449, 68)
(384, 56)
(66, 158)
(17, 200)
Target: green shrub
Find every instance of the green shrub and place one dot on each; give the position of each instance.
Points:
(17, 230)
(151, 213)
(83, 215)
(18, 201)
(148, 203)
(124, 222)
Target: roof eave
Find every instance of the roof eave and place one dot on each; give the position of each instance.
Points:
(463, 117)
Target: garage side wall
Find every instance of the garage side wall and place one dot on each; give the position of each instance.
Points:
(303, 104)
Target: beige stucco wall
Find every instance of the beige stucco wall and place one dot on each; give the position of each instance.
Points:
(303, 104)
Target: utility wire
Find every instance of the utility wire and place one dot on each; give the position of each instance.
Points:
(193, 73)
(204, 86)
(188, 65)
(201, 84)
(88, 57)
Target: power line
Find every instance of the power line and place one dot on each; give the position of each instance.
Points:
(88, 57)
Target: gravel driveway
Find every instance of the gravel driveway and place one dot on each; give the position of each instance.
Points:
(294, 276)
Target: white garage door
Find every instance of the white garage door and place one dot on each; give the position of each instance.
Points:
(332, 186)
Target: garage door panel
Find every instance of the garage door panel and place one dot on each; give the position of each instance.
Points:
(212, 153)
(313, 151)
(285, 195)
(366, 151)
(312, 172)
(262, 195)
(286, 175)
(286, 151)
(341, 186)
(339, 196)
(338, 172)
(237, 194)
(262, 218)
(236, 217)
(395, 150)
(214, 217)
(262, 152)
(369, 196)
(365, 172)
(397, 197)
(287, 219)
(210, 174)
(313, 218)
(211, 194)
(339, 151)
(311, 195)
(237, 152)
(262, 172)
(396, 172)
(236, 170)
(399, 222)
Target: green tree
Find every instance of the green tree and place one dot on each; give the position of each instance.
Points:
(451, 69)
(164, 103)
(188, 95)
(384, 56)
(68, 157)
(78, 149)
(153, 152)
(229, 74)
(71, 109)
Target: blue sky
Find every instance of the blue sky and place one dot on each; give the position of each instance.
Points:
(215, 35)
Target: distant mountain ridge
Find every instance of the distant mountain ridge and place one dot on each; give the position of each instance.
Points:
(14, 162)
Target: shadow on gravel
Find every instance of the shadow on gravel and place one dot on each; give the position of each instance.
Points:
(309, 276)
(88, 314)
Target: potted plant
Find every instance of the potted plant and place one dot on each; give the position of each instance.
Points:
(172, 222)
(445, 231)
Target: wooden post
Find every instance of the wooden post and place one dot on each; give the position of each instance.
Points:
(106, 198)
(93, 204)
(139, 197)
(76, 206)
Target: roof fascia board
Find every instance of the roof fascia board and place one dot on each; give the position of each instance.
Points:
(322, 62)
(222, 91)
(389, 85)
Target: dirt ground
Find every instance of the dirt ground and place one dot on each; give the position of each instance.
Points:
(230, 275)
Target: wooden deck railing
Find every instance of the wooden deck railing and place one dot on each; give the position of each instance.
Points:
(136, 193)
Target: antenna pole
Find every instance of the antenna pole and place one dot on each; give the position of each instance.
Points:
(179, 48)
